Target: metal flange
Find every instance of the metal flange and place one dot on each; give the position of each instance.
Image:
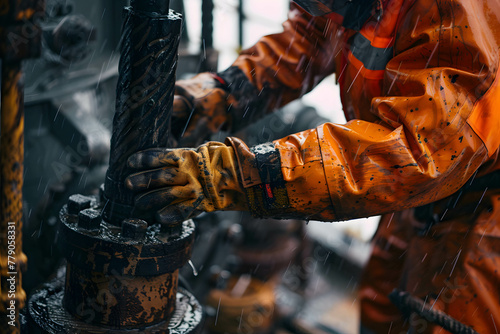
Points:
(113, 251)
(126, 275)
(47, 315)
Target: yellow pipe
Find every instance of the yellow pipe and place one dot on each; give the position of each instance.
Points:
(12, 259)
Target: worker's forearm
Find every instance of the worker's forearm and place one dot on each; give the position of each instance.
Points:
(281, 67)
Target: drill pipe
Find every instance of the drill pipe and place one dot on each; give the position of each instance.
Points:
(144, 99)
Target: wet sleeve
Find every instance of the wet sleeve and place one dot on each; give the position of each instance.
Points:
(281, 67)
(436, 126)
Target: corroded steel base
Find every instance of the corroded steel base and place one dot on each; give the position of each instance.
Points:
(47, 315)
(117, 278)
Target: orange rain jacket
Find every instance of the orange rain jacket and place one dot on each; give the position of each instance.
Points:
(419, 86)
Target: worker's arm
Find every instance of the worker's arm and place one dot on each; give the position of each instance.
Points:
(277, 69)
(282, 67)
(437, 124)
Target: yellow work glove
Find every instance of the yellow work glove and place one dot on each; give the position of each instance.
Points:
(200, 109)
(182, 183)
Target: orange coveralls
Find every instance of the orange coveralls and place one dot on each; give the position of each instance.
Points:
(418, 81)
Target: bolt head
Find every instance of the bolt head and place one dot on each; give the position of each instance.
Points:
(77, 203)
(172, 230)
(134, 228)
(89, 219)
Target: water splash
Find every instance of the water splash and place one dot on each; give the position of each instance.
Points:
(195, 272)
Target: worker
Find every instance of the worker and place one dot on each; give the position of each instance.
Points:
(419, 87)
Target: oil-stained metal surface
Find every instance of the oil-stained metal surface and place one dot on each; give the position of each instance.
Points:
(157, 253)
(11, 182)
(20, 36)
(144, 100)
(17, 42)
(127, 282)
(46, 315)
(119, 301)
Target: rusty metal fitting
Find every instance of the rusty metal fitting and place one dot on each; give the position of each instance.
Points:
(134, 228)
(89, 219)
(173, 230)
(77, 203)
(121, 278)
(48, 316)
(117, 278)
(141, 271)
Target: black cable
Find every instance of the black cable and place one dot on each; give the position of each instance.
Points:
(409, 304)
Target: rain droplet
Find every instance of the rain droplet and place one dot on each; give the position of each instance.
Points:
(195, 272)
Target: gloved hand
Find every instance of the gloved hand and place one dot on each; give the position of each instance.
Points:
(200, 109)
(182, 183)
